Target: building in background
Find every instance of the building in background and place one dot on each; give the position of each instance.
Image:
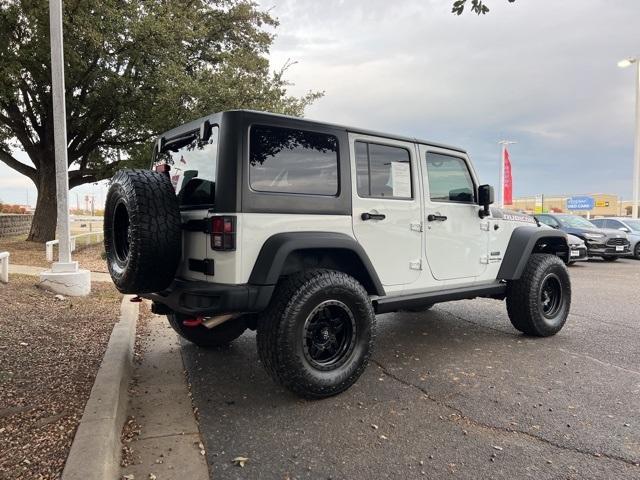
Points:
(606, 205)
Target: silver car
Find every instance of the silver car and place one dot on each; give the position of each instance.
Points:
(629, 225)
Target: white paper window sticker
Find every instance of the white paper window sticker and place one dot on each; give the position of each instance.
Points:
(401, 179)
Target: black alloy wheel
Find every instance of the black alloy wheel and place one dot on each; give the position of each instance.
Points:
(550, 295)
(329, 335)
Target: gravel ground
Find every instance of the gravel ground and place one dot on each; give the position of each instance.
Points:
(33, 253)
(50, 352)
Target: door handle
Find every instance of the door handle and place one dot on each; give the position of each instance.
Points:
(433, 218)
(372, 216)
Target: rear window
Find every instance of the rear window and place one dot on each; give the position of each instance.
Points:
(286, 160)
(193, 168)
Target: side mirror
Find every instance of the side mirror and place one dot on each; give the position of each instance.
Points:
(485, 198)
(624, 229)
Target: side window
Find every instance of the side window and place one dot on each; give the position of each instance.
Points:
(614, 224)
(548, 221)
(286, 160)
(383, 171)
(449, 179)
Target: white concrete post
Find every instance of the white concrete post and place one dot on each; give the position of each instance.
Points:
(4, 267)
(64, 276)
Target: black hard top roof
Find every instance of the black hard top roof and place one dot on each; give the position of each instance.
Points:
(215, 117)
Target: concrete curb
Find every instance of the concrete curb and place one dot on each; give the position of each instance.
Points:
(95, 452)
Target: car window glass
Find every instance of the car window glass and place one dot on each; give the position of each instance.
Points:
(288, 160)
(449, 179)
(383, 171)
(614, 224)
(634, 225)
(193, 168)
(548, 221)
(576, 222)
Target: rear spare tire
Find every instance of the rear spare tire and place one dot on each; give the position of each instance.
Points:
(142, 233)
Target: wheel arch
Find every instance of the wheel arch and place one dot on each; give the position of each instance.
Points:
(289, 252)
(527, 240)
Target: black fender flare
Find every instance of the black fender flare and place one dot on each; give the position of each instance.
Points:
(521, 245)
(277, 248)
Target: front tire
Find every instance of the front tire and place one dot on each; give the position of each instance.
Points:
(204, 337)
(538, 302)
(317, 334)
(636, 251)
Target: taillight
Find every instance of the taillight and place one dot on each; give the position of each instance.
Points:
(223, 233)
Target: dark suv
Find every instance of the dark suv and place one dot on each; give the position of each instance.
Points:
(601, 242)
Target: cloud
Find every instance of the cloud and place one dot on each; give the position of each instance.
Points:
(543, 73)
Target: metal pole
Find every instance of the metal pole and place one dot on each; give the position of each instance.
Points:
(636, 162)
(60, 134)
(504, 147)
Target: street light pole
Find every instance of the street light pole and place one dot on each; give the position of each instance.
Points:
(635, 202)
(64, 276)
(60, 137)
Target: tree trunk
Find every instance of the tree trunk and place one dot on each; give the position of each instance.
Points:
(43, 227)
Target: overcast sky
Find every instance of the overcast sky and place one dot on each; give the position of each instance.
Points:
(540, 72)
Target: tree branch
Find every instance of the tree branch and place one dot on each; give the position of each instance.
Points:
(18, 166)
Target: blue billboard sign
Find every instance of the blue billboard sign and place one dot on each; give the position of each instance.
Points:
(580, 203)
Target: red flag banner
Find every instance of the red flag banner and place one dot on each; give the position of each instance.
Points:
(507, 181)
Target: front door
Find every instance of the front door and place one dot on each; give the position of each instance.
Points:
(456, 237)
(386, 206)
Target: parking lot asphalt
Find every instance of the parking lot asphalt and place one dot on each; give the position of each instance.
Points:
(455, 392)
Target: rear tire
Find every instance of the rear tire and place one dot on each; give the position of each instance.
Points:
(219, 336)
(538, 302)
(609, 258)
(317, 334)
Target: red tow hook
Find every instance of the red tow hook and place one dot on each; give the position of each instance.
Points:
(136, 299)
(192, 322)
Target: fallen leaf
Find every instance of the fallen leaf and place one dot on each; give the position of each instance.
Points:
(240, 461)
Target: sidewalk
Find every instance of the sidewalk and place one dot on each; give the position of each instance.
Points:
(166, 441)
(36, 271)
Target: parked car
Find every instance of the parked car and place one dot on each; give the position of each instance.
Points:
(577, 248)
(305, 231)
(631, 226)
(601, 242)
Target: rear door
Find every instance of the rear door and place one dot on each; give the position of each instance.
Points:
(386, 206)
(193, 174)
(456, 238)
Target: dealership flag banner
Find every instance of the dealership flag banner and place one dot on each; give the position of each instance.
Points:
(507, 182)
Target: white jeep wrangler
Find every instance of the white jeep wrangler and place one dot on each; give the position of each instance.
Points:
(304, 231)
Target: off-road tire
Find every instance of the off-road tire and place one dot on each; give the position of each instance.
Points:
(204, 337)
(282, 341)
(142, 232)
(525, 304)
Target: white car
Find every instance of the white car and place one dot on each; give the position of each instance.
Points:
(305, 231)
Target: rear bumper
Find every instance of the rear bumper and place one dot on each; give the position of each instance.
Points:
(207, 299)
